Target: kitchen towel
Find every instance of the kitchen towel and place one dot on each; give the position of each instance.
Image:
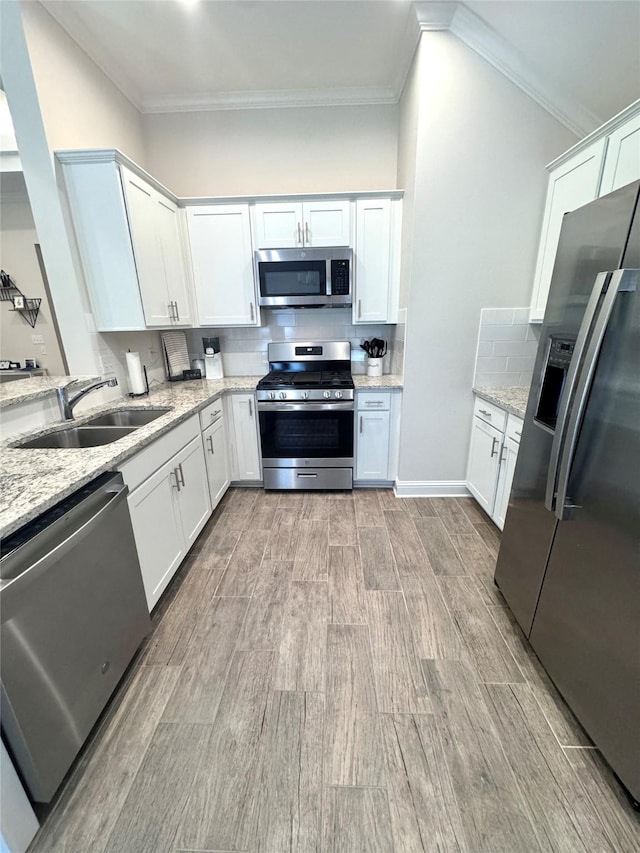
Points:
(175, 353)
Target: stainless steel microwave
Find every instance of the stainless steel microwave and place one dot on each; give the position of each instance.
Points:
(304, 278)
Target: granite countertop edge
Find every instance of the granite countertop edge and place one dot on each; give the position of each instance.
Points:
(61, 471)
(512, 399)
(33, 388)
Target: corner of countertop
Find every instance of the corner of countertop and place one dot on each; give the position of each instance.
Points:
(32, 388)
(512, 398)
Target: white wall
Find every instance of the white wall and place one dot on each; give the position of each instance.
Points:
(18, 258)
(294, 150)
(81, 107)
(478, 197)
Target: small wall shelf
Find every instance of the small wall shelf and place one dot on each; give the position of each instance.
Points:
(8, 293)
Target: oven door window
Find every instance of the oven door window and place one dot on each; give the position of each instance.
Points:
(293, 278)
(306, 434)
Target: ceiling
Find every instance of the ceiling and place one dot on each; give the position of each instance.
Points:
(173, 55)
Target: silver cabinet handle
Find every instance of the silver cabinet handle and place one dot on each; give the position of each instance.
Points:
(360, 424)
(306, 234)
(518, 432)
(485, 413)
(170, 307)
(177, 312)
(622, 281)
(374, 403)
(299, 233)
(176, 485)
(503, 454)
(359, 308)
(210, 441)
(252, 312)
(182, 483)
(599, 285)
(250, 408)
(215, 415)
(495, 442)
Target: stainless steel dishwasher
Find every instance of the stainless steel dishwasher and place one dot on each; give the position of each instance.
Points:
(72, 612)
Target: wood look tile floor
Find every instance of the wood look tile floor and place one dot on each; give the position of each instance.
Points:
(338, 672)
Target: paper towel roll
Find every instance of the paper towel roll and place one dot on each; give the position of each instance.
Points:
(134, 368)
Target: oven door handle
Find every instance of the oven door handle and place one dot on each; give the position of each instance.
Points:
(346, 406)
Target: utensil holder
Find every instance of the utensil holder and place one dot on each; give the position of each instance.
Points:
(374, 367)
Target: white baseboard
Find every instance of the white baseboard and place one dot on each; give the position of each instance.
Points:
(431, 489)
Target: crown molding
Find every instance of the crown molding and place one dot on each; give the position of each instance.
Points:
(81, 35)
(496, 50)
(274, 98)
(425, 16)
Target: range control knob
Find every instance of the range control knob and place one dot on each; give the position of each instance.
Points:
(305, 395)
(283, 395)
(272, 395)
(327, 395)
(338, 395)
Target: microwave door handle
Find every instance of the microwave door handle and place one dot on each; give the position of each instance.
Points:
(622, 281)
(569, 387)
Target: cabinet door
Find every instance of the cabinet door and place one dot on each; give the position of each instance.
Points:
(245, 433)
(622, 163)
(484, 461)
(157, 530)
(570, 186)
(326, 223)
(220, 241)
(372, 254)
(141, 202)
(215, 453)
(508, 459)
(194, 501)
(372, 446)
(173, 256)
(278, 226)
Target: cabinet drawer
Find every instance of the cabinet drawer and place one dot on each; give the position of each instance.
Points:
(145, 462)
(514, 428)
(368, 400)
(211, 413)
(490, 414)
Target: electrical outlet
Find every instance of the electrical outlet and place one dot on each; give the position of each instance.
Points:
(43, 350)
(37, 339)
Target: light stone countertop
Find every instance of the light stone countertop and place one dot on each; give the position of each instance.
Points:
(386, 382)
(33, 387)
(33, 480)
(513, 398)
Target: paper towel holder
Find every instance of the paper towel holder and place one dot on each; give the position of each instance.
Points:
(146, 382)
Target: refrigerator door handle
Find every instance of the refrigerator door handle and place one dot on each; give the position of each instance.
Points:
(567, 392)
(622, 281)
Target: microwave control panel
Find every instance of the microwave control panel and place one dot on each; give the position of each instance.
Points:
(340, 277)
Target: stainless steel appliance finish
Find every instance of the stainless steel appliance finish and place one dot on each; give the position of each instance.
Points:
(306, 416)
(72, 614)
(569, 562)
(299, 278)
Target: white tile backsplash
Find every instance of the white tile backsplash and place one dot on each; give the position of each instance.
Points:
(507, 347)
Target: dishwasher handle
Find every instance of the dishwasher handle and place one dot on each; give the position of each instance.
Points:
(11, 588)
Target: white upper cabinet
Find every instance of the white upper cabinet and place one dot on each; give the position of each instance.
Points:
(607, 160)
(157, 247)
(295, 224)
(377, 261)
(570, 186)
(622, 164)
(222, 263)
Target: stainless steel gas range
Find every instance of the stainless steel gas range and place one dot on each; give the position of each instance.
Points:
(306, 415)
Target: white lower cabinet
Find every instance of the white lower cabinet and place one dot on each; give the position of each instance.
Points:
(377, 421)
(169, 504)
(244, 442)
(492, 458)
(215, 454)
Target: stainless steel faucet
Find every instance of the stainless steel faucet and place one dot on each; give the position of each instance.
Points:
(67, 403)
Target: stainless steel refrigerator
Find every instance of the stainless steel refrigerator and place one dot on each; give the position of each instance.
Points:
(569, 562)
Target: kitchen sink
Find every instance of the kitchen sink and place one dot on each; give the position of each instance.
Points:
(127, 418)
(84, 436)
